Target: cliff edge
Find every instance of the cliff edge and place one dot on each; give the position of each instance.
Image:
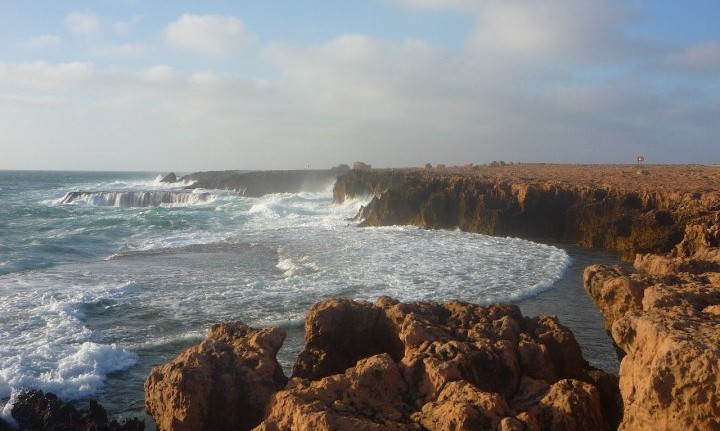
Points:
(624, 208)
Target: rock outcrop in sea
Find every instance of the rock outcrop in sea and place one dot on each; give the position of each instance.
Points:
(389, 366)
(260, 183)
(35, 410)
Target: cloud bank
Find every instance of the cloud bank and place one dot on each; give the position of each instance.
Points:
(542, 80)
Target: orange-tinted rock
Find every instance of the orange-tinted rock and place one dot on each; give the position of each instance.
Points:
(225, 382)
(461, 362)
(368, 396)
(388, 366)
(596, 206)
(670, 374)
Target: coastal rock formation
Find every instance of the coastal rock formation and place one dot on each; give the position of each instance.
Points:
(260, 183)
(225, 382)
(616, 208)
(169, 178)
(393, 366)
(665, 319)
(35, 410)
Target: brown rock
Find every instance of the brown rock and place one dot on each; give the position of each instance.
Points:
(670, 375)
(368, 396)
(569, 405)
(387, 366)
(225, 382)
(462, 407)
(596, 206)
(340, 332)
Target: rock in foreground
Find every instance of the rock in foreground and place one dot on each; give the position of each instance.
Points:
(225, 382)
(665, 319)
(35, 410)
(390, 366)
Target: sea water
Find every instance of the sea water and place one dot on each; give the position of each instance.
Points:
(104, 275)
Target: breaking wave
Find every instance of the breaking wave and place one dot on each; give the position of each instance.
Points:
(134, 199)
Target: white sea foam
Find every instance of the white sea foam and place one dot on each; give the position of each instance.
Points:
(45, 344)
(174, 271)
(134, 199)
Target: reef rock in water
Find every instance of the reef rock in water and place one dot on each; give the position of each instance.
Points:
(35, 410)
(389, 366)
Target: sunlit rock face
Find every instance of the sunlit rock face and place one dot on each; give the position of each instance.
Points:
(392, 366)
(665, 320)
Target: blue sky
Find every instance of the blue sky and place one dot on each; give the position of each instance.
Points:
(197, 85)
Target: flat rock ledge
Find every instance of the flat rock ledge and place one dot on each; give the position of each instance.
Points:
(389, 366)
(664, 317)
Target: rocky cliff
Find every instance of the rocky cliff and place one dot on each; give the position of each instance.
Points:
(664, 316)
(609, 207)
(665, 319)
(259, 183)
(390, 366)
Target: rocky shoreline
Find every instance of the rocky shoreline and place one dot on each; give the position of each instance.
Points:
(459, 366)
(260, 183)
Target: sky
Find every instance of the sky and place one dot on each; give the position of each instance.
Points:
(190, 85)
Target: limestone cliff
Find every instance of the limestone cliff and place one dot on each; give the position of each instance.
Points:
(665, 319)
(596, 207)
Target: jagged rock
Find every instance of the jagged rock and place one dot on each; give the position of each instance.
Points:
(667, 326)
(225, 382)
(461, 363)
(169, 178)
(35, 410)
(368, 396)
(390, 366)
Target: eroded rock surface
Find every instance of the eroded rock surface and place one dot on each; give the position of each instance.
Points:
(225, 382)
(391, 366)
(665, 318)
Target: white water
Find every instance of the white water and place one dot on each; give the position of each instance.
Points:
(162, 275)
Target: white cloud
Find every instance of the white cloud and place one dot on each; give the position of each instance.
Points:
(43, 41)
(211, 35)
(463, 5)
(574, 31)
(126, 50)
(704, 57)
(125, 28)
(82, 23)
(42, 74)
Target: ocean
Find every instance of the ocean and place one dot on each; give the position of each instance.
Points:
(104, 275)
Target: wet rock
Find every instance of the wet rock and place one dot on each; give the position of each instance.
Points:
(225, 382)
(35, 410)
(169, 178)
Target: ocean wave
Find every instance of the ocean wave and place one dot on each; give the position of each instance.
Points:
(46, 344)
(134, 199)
